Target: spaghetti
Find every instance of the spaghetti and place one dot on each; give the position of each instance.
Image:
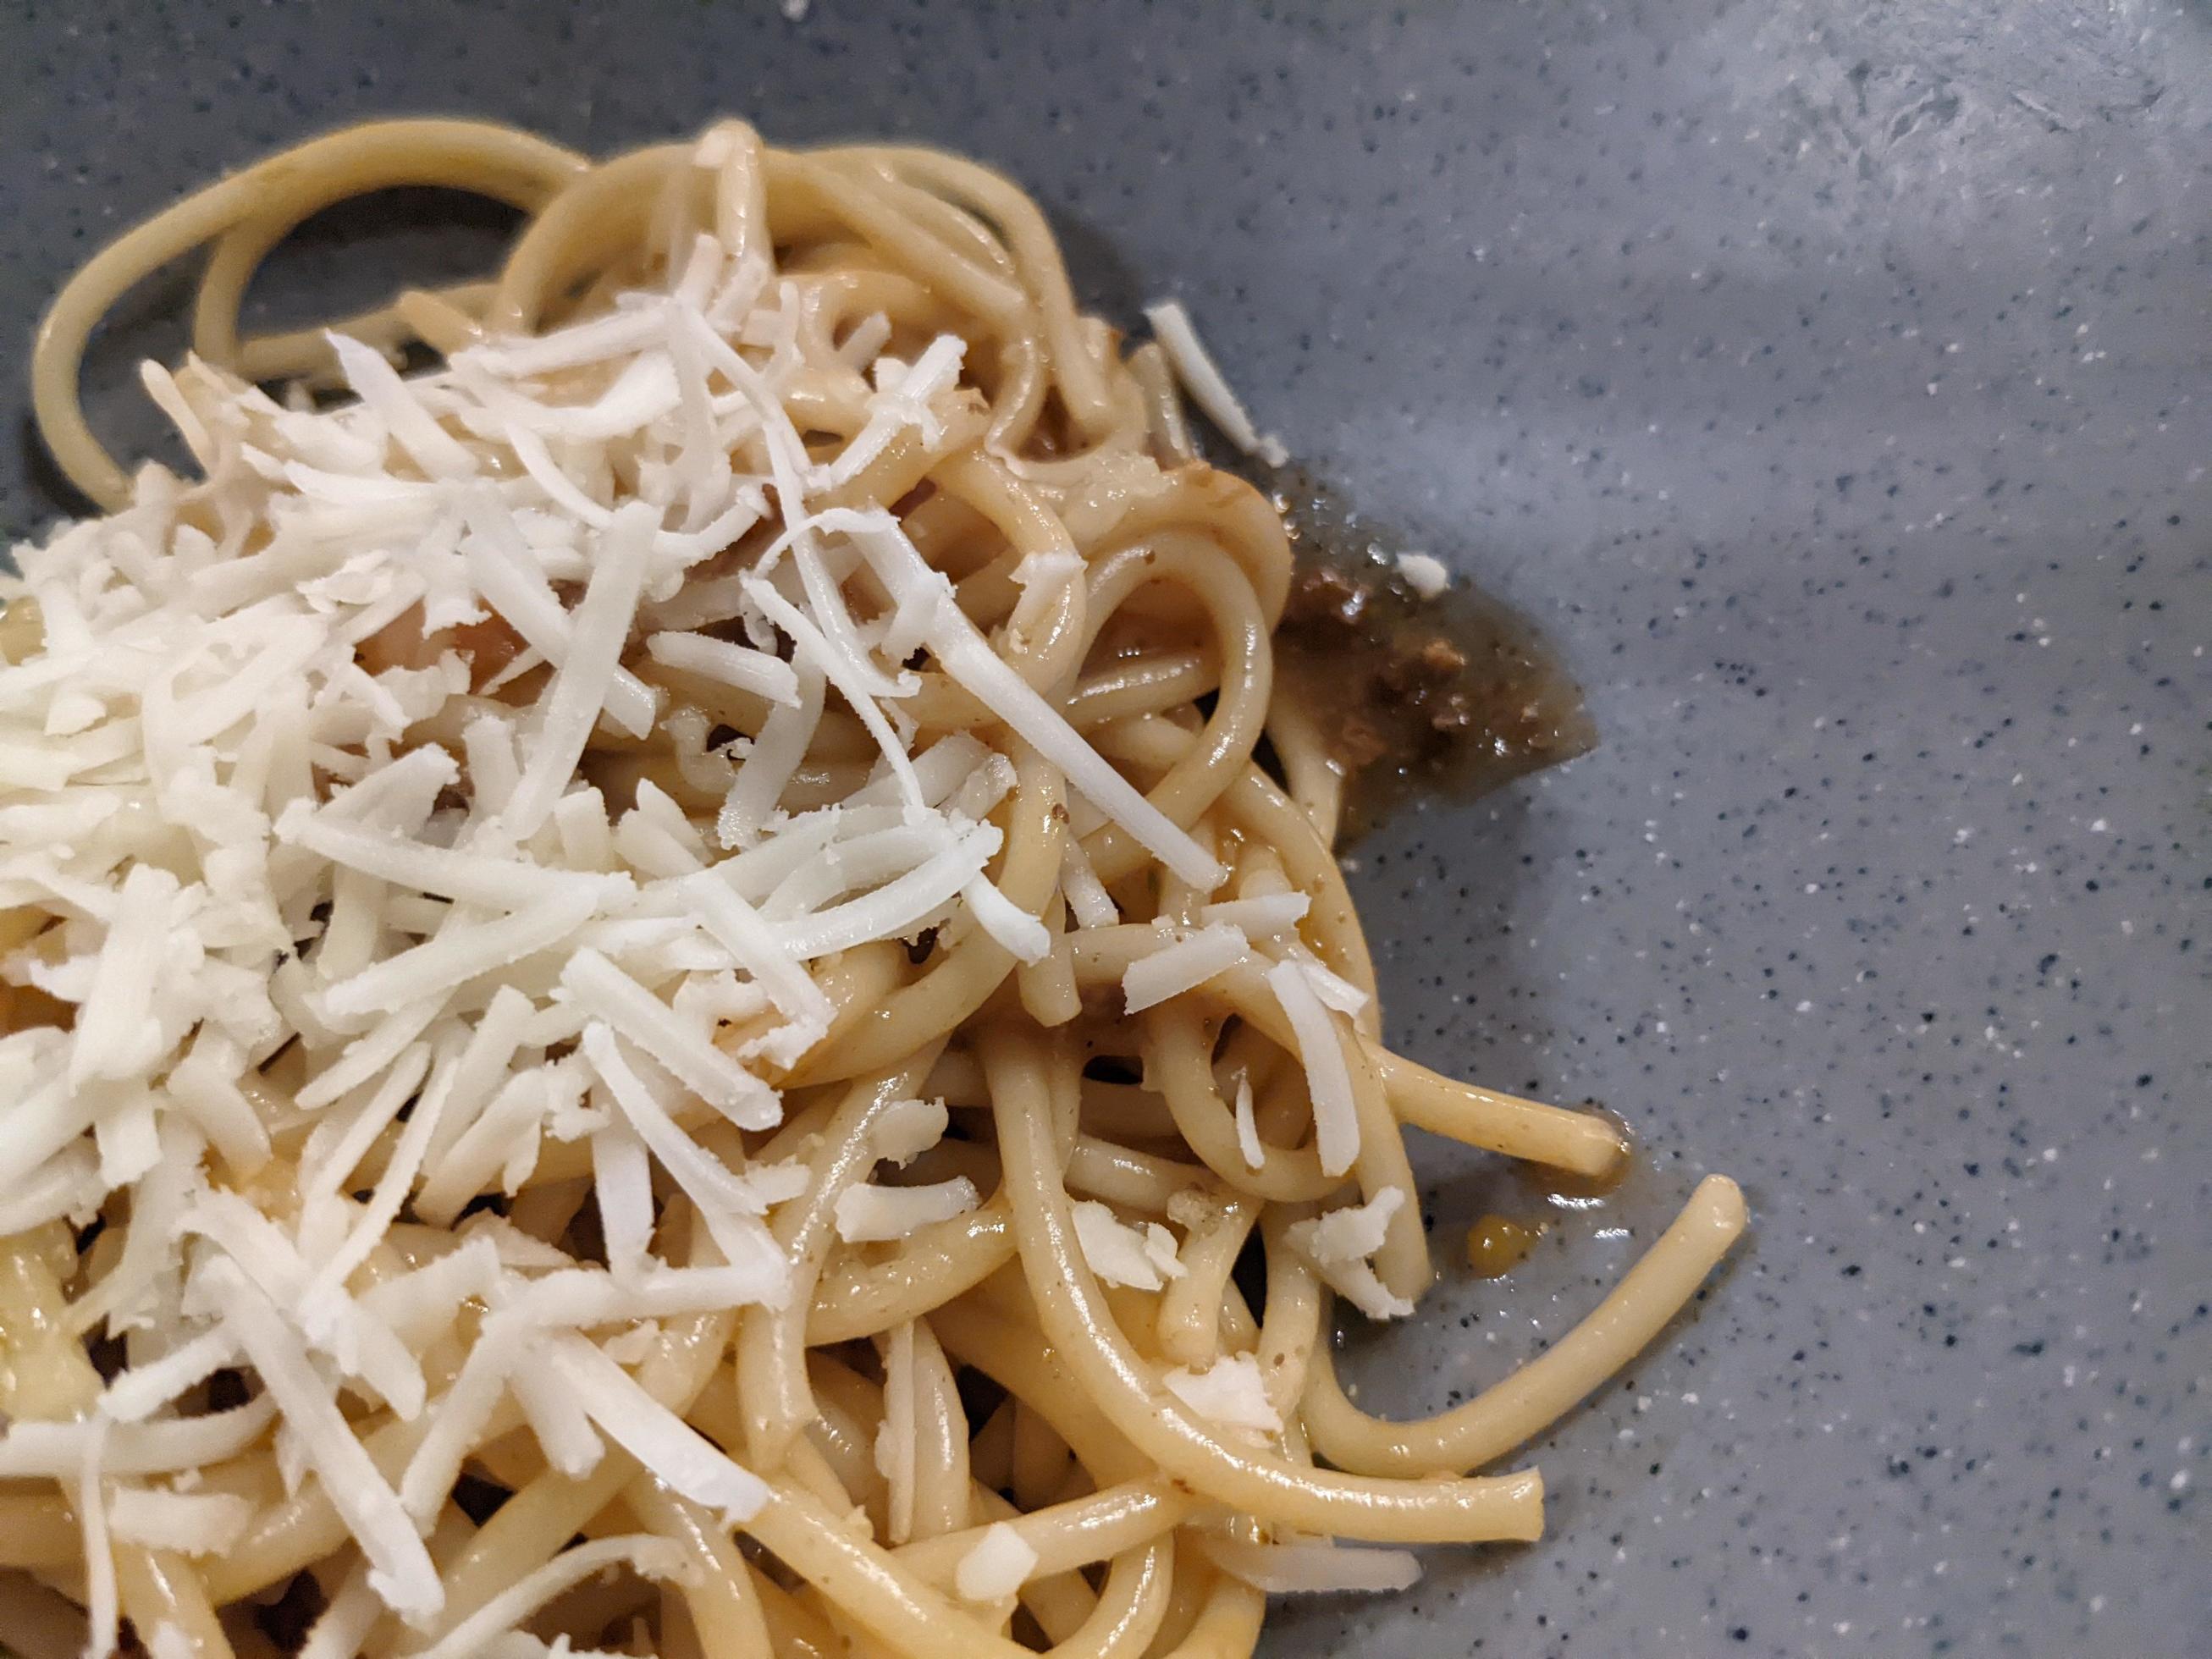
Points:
(651, 982)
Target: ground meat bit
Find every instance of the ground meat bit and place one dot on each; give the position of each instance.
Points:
(1454, 693)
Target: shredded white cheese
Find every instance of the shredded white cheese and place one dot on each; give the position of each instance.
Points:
(1181, 964)
(1340, 1243)
(870, 1214)
(400, 1569)
(1248, 1144)
(1425, 574)
(905, 1129)
(1087, 896)
(1143, 1259)
(727, 663)
(1228, 1393)
(56, 1451)
(997, 1566)
(1328, 1080)
(190, 1523)
(668, 1447)
(1313, 1568)
(1208, 387)
(102, 1606)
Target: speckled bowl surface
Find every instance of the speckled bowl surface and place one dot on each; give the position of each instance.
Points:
(1831, 381)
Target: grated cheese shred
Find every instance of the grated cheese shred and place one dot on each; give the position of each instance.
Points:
(1336, 1117)
(871, 1214)
(1208, 387)
(998, 1565)
(1340, 1243)
(1229, 1393)
(1181, 964)
(1312, 1567)
(1143, 1259)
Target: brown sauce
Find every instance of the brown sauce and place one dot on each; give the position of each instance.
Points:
(1535, 1200)
(1450, 696)
(1497, 1244)
(1564, 1189)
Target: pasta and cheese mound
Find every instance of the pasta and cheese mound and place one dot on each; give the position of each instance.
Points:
(650, 985)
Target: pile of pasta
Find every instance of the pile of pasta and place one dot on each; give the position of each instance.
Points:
(656, 977)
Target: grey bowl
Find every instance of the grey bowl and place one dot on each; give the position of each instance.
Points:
(1831, 381)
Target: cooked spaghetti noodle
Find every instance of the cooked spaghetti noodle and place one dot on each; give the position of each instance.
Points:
(651, 982)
